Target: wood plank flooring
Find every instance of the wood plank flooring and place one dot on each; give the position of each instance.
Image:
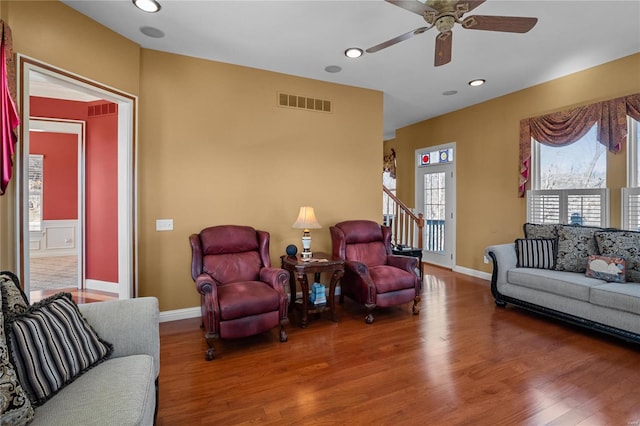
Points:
(462, 361)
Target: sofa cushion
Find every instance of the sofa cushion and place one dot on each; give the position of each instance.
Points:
(625, 244)
(535, 253)
(14, 301)
(120, 391)
(575, 245)
(51, 344)
(15, 406)
(620, 296)
(610, 269)
(535, 230)
(569, 284)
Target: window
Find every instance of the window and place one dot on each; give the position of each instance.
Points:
(569, 183)
(388, 204)
(35, 192)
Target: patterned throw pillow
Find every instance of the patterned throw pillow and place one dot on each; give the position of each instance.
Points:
(535, 253)
(72, 348)
(14, 301)
(625, 244)
(15, 407)
(537, 231)
(575, 245)
(610, 269)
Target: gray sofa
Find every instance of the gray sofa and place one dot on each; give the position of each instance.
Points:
(563, 291)
(123, 389)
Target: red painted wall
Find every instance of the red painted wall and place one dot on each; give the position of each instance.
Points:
(60, 173)
(101, 175)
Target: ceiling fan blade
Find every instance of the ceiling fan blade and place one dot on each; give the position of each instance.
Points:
(412, 6)
(509, 24)
(444, 42)
(396, 40)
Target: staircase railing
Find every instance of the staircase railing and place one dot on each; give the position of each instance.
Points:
(406, 226)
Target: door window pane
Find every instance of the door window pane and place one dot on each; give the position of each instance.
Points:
(434, 211)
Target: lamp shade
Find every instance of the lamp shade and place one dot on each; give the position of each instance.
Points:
(306, 219)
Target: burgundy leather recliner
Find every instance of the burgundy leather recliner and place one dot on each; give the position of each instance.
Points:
(241, 294)
(373, 276)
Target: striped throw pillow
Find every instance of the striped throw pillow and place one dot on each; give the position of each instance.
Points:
(536, 253)
(51, 345)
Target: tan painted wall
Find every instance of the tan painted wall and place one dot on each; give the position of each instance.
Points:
(51, 32)
(216, 149)
(213, 146)
(489, 210)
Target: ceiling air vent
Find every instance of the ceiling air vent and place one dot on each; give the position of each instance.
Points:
(303, 102)
(102, 109)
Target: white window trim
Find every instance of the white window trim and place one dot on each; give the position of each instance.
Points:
(633, 189)
(632, 153)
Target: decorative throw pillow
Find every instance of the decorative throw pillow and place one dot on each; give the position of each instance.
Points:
(611, 269)
(15, 407)
(72, 346)
(14, 301)
(625, 244)
(575, 245)
(535, 253)
(537, 231)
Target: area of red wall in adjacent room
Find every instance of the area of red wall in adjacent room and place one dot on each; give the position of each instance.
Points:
(102, 201)
(59, 173)
(101, 176)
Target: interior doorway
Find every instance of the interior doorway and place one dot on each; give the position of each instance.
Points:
(38, 74)
(436, 199)
(56, 228)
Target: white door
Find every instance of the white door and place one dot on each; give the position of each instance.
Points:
(435, 198)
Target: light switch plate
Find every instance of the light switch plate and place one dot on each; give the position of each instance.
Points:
(164, 225)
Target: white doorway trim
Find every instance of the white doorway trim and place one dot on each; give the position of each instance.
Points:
(77, 128)
(127, 163)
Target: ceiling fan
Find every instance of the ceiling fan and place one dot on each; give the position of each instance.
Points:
(444, 14)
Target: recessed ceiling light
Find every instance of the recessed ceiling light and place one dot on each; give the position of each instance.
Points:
(152, 32)
(476, 82)
(450, 92)
(353, 52)
(151, 6)
(333, 68)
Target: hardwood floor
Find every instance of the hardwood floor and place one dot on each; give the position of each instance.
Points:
(461, 361)
(79, 296)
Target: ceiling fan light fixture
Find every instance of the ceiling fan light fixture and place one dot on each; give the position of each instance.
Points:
(353, 52)
(151, 6)
(477, 82)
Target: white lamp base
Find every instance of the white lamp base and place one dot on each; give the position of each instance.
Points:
(306, 246)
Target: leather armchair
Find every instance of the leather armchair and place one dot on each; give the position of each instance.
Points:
(241, 294)
(373, 276)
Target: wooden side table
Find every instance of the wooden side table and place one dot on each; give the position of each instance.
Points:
(321, 262)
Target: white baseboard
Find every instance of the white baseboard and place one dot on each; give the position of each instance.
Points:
(472, 272)
(180, 314)
(186, 313)
(107, 286)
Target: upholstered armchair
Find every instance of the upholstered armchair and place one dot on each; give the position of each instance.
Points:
(372, 275)
(241, 294)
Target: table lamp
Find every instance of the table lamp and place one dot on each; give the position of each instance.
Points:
(306, 220)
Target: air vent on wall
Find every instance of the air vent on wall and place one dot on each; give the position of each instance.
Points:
(102, 109)
(304, 102)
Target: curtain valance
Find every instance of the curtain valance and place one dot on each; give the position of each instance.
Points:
(566, 127)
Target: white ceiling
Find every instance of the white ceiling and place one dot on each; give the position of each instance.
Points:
(303, 37)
